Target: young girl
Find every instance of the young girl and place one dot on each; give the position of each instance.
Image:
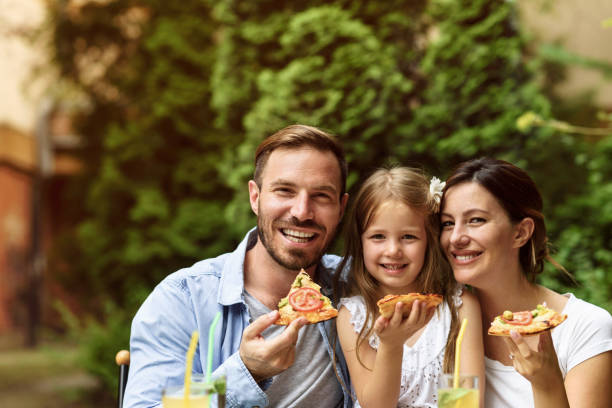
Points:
(392, 247)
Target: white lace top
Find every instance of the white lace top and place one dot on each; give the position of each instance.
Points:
(423, 363)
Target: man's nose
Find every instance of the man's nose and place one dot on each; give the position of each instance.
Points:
(302, 207)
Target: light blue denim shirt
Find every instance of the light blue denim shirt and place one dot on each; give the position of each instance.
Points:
(188, 300)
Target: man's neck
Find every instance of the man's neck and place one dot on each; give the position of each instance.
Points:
(265, 279)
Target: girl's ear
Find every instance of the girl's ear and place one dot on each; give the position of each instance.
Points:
(523, 232)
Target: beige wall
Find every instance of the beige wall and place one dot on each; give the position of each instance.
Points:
(19, 95)
(578, 23)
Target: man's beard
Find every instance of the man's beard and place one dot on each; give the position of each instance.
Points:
(292, 259)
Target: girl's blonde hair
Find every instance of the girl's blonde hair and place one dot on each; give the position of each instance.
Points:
(410, 187)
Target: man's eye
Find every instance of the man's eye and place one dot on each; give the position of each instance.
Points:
(323, 196)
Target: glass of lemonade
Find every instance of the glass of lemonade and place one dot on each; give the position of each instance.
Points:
(201, 394)
(464, 396)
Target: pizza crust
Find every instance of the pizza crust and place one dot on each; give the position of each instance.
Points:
(287, 314)
(546, 319)
(386, 305)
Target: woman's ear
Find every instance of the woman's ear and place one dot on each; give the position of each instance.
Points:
(523, 232)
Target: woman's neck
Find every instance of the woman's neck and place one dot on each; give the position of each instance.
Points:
(511, 294)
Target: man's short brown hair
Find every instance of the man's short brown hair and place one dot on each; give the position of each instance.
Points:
(297, 136)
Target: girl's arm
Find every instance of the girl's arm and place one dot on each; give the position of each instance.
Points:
(472, 348)
(378, 385)
(588, 383)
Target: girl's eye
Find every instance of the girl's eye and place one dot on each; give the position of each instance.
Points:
(409, 236)
(477, 220)
(377, 236)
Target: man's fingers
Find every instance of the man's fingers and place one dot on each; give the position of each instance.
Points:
(289, 337)
(254, 330)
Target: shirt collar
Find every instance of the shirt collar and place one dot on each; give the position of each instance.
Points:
(231, 284)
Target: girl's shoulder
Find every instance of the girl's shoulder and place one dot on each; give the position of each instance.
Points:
(355, 305)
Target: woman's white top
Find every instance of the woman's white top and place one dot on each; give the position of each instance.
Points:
(422, 364)
(586, 332)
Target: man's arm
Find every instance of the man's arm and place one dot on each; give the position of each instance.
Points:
(160, 336)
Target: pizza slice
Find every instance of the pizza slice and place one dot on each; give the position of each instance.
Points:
(526, 323)
(386, 305)
(305, 300)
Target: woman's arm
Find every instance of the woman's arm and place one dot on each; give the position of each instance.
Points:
(588, 383)
(472, 348)
(378, 385)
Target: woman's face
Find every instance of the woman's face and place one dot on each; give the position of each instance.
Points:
(477, 236)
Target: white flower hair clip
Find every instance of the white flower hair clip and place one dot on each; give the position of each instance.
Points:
(435, 189)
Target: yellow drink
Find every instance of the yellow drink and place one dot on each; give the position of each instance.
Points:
(178, 401)
(457, 398)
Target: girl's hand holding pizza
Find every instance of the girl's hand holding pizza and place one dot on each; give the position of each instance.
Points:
(395, 330)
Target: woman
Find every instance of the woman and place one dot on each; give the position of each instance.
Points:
(494, 236)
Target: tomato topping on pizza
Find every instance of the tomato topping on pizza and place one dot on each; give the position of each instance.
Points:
(526, 323)
(305, 300)
(518, 318)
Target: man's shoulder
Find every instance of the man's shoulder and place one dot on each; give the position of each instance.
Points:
(330, 262)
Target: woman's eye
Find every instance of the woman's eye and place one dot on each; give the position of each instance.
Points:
(477, 220)
(447, 224)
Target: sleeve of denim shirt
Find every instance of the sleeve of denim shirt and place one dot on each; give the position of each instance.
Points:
(161, 331)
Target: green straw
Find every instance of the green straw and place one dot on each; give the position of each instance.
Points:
(211, 341)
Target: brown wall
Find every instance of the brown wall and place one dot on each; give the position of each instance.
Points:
(15, 198)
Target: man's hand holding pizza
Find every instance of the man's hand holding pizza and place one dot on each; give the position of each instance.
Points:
(266, 358)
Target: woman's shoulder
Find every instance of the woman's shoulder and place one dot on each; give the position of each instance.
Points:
(586, 310)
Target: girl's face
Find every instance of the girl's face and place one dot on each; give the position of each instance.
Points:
(394, 246)
(477, 236)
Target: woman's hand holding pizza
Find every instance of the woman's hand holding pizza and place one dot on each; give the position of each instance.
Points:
(540, 366)
(395, 330)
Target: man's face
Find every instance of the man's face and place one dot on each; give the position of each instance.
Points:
(298, 205)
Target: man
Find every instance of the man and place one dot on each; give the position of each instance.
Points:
(298, 195)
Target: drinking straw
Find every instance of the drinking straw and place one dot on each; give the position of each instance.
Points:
(189, 364)
(458, 353)
(211, 341)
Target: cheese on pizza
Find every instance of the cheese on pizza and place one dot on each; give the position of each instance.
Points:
(526, 323)
(305, 300)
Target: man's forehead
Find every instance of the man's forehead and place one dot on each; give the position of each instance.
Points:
(293, 164)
